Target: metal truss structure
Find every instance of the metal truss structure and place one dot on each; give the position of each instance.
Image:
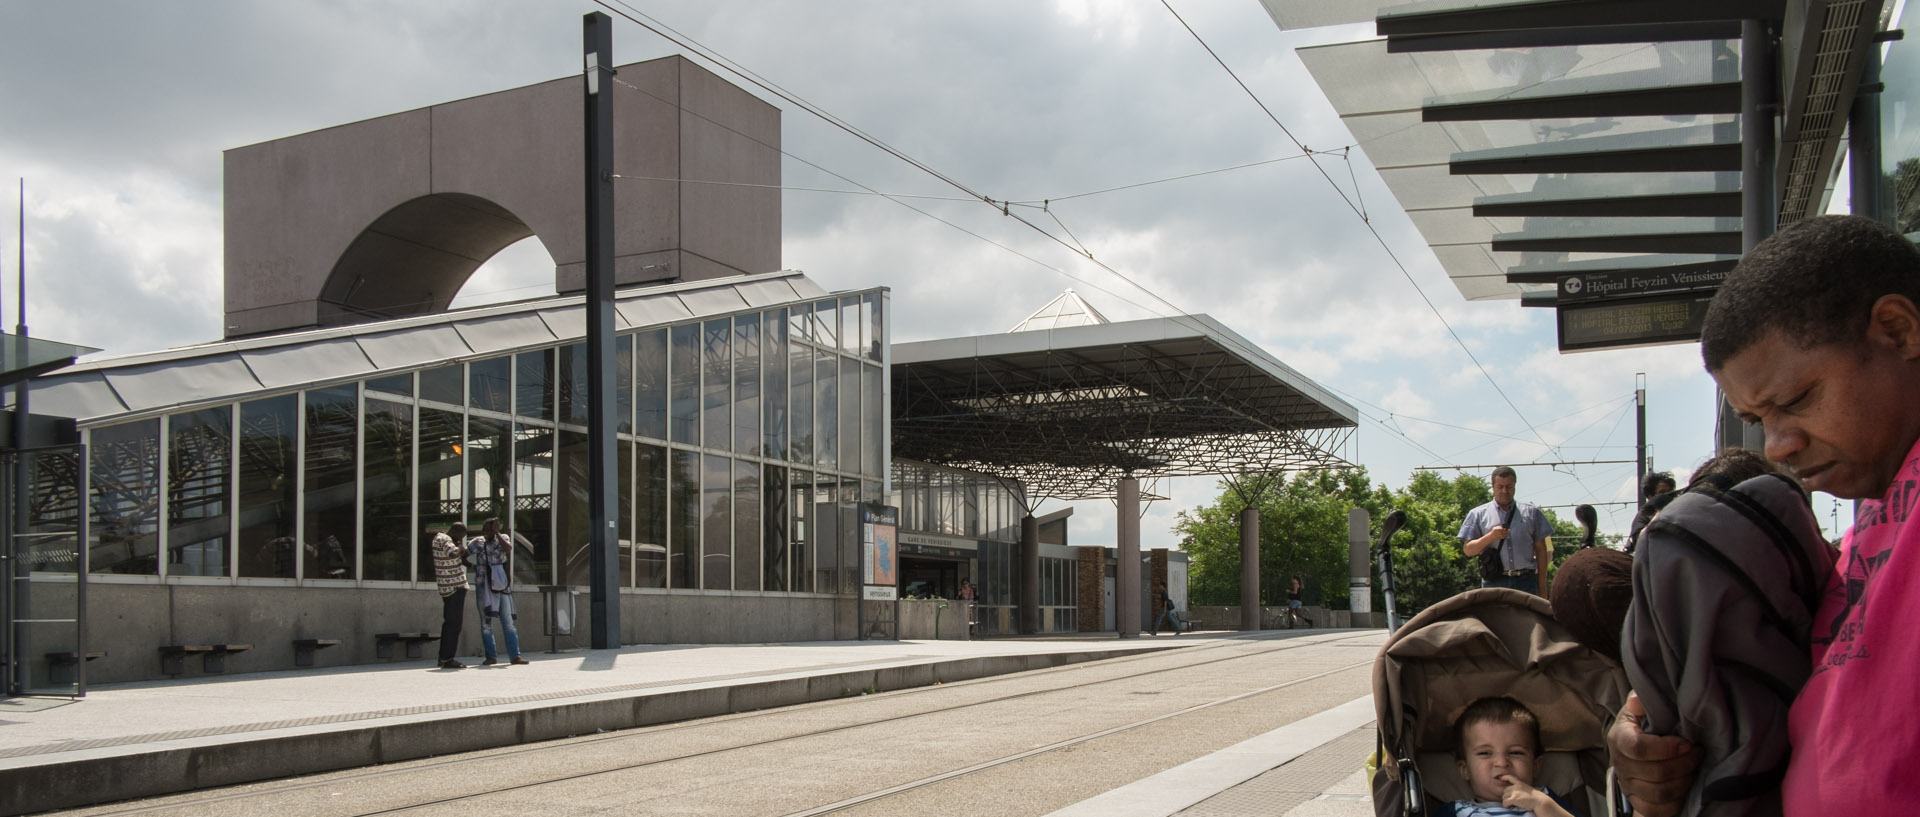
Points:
(1069, 420)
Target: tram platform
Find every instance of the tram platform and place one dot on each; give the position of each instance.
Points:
(125, 741)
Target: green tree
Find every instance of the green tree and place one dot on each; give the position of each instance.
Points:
(1303, 530)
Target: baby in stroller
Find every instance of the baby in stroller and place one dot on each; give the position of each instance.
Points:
(1490, 642)
(1497, 743)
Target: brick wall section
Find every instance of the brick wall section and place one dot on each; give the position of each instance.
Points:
(1090, 585)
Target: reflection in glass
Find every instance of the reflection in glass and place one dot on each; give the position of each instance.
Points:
(400, 384)
(533, 384)
(623, 384)
(717, 425)
(851, 325)
(876, 333)
(533, 501)
(826, 531)
(826, 410)
(826, 324)
(849, 536)
(746, 384)
(872, 430)
(574, 528)
(489, 384)
(387, 485)
(53, 513)
(746, 525)
(683, 548)
(801, 503)
(489, 459)
(446, 384)
(327, 532)
(650, 523)
(199, 491)
(801, 403)
(442, 502)
(716, 529)
(624, 547)
(268, 434)
(850, 413)
(684, 418)
(773, 541)
(650, 384)
(123, 473)
(576, 406)
(773, 405)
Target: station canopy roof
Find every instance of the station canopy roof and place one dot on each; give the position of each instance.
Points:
(162, 381)
(1528, 140)
(1069, 411)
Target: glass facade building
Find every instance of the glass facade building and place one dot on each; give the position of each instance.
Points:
(971, 522)
(745, 440)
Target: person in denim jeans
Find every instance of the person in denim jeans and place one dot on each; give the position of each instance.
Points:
(492, 557)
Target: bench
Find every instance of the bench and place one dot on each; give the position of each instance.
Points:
(383, 643)
(60, 665)
(213, 657)
(304, 648)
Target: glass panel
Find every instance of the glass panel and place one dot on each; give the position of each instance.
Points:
(746, 384)
(269, 431)
(773, 405)
(623, 384)
(650, 533)
(802, 505)
(850, 325)
(625, 549)
(716, 511)
(124, 472)
(872, 430)
(826, 531)
(199, 491)
(446, 384)
(533, 504)
(46, 605)
(332, 447)
(799, 320)
(683, 501)
(441, 495)
(650, 384)
(576, 378)
(533, 384)
(717, 425)
(826, 323)
(489, 460)
(746, 525)
(849, 537)
(53, 514)
(876, 332)
(575, 523)
(387, 485)
(488, 386)
(826, 410)
(801, 402)
(773, 542)
(849, 387)
(400, 384)
(685, 371)
(1899, 198)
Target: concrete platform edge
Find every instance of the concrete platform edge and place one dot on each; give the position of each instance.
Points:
(93, 777)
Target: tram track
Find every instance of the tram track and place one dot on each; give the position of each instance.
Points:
(191, 803)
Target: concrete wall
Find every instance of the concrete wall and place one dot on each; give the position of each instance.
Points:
(924, 620)
(132, 621)
(390, 216)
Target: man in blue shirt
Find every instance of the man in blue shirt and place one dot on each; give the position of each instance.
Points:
(1516, 532)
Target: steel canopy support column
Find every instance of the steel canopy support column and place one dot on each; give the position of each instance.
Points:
(1029, 574)
(1249, 569)
(1758, 209)
(603, 538)
(1126, 578)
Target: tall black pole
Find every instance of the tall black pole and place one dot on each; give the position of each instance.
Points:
(1640, 411)
(602, 503)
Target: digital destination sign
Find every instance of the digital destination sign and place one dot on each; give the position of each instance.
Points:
(1614, 323)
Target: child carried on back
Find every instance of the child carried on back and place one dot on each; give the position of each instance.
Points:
(1497, 744)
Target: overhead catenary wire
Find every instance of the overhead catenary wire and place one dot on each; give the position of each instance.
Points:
(1369, 225)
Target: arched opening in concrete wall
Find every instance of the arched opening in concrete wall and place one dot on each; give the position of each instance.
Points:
(523, 270)
(415, 258)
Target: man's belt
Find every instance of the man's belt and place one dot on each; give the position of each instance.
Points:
(1527, 572)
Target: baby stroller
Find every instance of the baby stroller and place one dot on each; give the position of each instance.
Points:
(1483, 643)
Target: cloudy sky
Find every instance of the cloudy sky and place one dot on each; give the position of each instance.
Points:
(117, 118)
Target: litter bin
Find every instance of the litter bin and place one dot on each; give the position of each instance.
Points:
(558, 601)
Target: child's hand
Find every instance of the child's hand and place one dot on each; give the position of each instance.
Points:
(1522, 796)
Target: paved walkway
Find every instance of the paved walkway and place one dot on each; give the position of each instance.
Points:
(156, 737)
